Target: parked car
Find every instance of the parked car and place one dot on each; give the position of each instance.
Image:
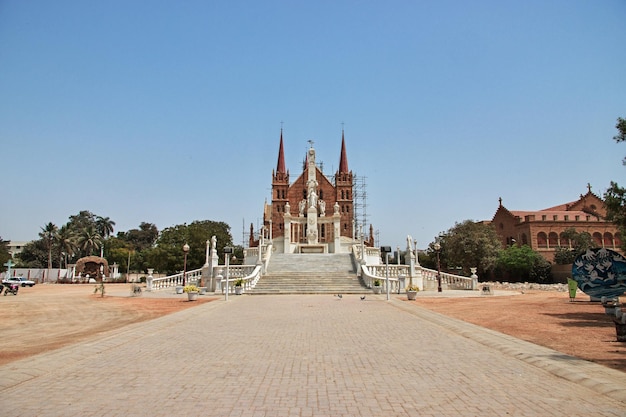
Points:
(19, 281)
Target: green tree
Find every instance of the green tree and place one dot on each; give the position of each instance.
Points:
(66, 244)
(521, 263)
(4, 254)
(89, 240)
(167, 256)
(142, 238)
(469, 244)
(49, 235)
(104, 226)
(615, 196)
(579, 242)
(33, 255)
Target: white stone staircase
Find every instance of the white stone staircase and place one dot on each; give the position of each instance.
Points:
(310, 274)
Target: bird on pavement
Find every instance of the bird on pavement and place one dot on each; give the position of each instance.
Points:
(362, 298)
(339, 295)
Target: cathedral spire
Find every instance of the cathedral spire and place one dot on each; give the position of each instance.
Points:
(280, 166)
(343, 161)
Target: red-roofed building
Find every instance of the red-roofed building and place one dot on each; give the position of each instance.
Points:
(542, 230)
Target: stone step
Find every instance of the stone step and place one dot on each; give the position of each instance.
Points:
(310, 274)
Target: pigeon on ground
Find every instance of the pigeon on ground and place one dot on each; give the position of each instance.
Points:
(339, 295)
(362, 298)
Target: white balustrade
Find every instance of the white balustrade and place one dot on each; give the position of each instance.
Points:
(449, 281)
(191, 277)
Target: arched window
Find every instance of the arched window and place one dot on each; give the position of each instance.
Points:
(564, 243)
(501, 226)
(342, 195)
(608, 240)
(597, 238)
(524, 239)
(553, 240)
(542, 240)
(321, 194)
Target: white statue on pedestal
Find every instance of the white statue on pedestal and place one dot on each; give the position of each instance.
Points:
(312, 198)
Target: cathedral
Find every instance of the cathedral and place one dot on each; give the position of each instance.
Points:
(313, 214)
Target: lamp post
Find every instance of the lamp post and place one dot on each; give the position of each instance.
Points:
(438, 249)
(185, 251)
(386, 250)
(227, 251)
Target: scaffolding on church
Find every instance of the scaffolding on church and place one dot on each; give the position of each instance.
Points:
(359, 190)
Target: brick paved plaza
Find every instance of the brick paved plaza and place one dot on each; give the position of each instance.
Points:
(313, 355)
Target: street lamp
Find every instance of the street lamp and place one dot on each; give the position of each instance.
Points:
(185, 251)
(438, 249)
(386, 250)
(227, 251)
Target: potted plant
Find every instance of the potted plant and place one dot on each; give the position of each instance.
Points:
(411, 291)
(238, 286)
(179, 289)
(192, 292)
(377, 286)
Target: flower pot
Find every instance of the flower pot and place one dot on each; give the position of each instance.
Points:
(192, 296)
(179, 289)
(202, 290)
(411, 295)
(238, 290)
(376, 289)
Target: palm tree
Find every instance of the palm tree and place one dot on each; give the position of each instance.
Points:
(89, 239)
(104, 226)
(66, 242)
(49, 234)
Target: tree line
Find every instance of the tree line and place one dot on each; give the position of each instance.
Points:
(136, 250)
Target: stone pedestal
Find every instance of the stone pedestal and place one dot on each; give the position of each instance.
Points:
(149, 279)
(311, 221)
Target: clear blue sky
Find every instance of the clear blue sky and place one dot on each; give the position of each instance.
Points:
(169, 112)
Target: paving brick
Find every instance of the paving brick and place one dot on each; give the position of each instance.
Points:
(307, 355)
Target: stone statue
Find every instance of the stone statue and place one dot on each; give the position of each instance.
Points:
(336, 208)
(322, 207)
(287, 208)
(312, 199)
(213, 242)
(301, 207)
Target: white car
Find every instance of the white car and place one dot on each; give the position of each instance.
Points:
(19, 281)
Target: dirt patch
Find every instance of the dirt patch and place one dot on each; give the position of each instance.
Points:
(579, 328)
(47, 317)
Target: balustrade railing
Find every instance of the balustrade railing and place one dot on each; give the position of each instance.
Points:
(398, 276)
(248, 274)
(449, 281)
(191, 277)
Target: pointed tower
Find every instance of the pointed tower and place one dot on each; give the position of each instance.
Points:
(280, 189)
(344, 194)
